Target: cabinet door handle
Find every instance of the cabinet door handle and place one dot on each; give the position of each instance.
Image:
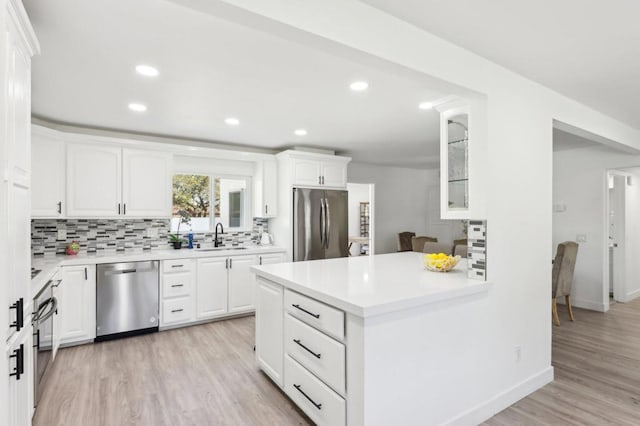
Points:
(323, 180)
(260, 260)
(230, 263)
(86, 274)
(266, 209)
(19, 307)
(226, 263)
(18, 370)
(177, 266)
(318, 406)
(124, 208)
(173, 311)
(317, 316)
(177, 285)
(118, 208)
(319, 180)
(59, 207)
(297, 341)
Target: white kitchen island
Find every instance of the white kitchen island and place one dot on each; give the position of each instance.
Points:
(371, 340)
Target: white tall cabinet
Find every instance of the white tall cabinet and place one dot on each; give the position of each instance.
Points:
(17, 45)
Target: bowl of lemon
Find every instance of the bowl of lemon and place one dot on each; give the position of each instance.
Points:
(440, 262)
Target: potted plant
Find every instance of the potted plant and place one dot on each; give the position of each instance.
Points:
(175, 239)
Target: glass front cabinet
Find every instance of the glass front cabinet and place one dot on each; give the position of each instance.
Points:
(462, 148)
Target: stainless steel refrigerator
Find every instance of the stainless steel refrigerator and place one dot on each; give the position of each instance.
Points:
(320, 224)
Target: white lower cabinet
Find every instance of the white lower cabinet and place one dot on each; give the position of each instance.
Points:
(270, 329)
(77, 304)
(19, 357)
(301, 340)
(211, 288)
(241, 283)
(317, 400)
(177, 295)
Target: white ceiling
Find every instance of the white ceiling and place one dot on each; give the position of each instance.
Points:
(588, 50)
(211, 69)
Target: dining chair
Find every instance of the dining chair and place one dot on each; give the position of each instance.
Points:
(404, 241)
(417, 243)
(435, 247)
(564, 265)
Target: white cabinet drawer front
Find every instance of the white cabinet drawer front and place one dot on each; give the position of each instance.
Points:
(177, 265)
(178, 284)
(177, 310)
(323, 317)
(319, 402)
(317, 352)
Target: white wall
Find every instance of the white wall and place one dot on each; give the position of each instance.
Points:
(579, 184)
(401, 202)
(517, 188)
(358, 193)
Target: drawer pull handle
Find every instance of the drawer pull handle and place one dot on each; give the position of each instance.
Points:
(177, 285)
(173, 311)
(305, 311)
(307, 349)
(318, 406)
(177, 266)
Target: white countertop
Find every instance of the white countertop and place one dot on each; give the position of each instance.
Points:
(373, 285)
(49, 264)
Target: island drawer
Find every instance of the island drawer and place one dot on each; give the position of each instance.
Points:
(319, 402)
(178, 284)
(317, 352)
(323, 317)
(177, 265)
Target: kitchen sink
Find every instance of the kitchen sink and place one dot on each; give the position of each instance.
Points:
(221, 248)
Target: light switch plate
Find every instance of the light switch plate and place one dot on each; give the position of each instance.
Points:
(152, 232)
(62, 234)
(581, 238)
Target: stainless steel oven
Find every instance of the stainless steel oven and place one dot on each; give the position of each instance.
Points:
(44, 309)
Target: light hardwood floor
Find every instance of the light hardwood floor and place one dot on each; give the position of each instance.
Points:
(200, 375)
(597, 373)
(206, 375)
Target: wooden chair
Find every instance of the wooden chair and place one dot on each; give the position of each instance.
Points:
(404, 240)
(417, 243)
(434, 247)
(564, 265)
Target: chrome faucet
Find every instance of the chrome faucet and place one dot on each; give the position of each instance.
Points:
(216, 242)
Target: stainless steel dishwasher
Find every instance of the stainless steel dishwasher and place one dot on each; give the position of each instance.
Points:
(126, 299)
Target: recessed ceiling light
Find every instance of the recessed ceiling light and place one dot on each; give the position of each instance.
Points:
(359, 86)
(300, 132)
(137, 107)
(425, 105)
(232, 121)
(147, 70)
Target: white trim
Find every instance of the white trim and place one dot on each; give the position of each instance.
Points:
(631, 295)
(19, 15)
(588, 304)
(502, 400)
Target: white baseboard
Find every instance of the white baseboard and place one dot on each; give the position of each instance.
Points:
(587, 304)
(493, 406)
(632, 295)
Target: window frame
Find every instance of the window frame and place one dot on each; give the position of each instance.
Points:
(248, 205)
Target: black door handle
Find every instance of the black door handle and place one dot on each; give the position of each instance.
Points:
(307, 349)
(18, 354)
(305, 311)
(19, 307)
(318, 406)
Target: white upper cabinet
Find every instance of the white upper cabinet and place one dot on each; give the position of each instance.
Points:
(94, 181)
(314, 170)
(266, 189)
(48, 159)
(146, 183)
(307, 172)
(462, 159)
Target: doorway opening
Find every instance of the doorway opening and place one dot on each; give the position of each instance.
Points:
(361, 219)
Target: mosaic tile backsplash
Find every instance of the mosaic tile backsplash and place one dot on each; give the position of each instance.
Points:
(477, 249)
(122, 235)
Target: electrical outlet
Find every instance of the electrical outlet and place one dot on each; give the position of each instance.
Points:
(518, 353)
(62, 234)
(152, 232)
(581, 238)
